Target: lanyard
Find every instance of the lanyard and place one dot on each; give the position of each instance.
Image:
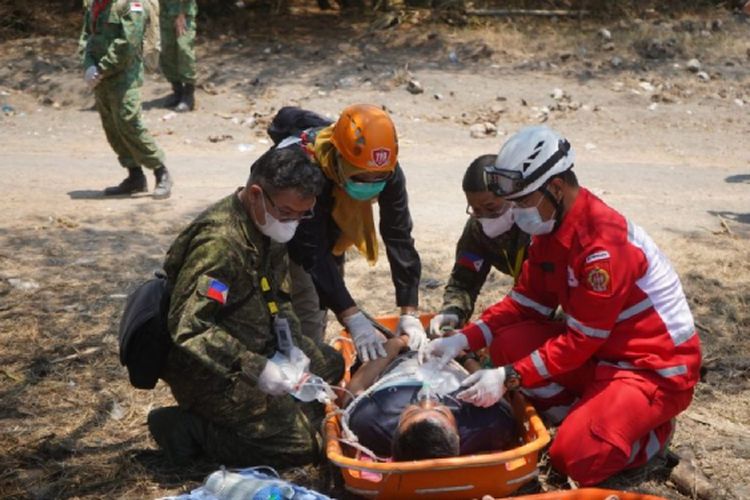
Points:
(515, 270)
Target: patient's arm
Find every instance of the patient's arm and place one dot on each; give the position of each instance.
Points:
(369, 372)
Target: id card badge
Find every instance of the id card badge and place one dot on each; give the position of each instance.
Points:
(283, 334)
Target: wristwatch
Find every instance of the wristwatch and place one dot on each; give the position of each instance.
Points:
(512, 378)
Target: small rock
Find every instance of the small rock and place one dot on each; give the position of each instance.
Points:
(453, 57)
(8, 110)
(25, 285)
(693, 65)
(437, 97)
(615, 62)
(739, 102)
(249, 122)
(609, 46)
(702, 75)
(116, 413)
(483, 130)
(605, 34)
(653, 106)
(244, 148)
(219, 138)
(501, 98)
(168, 116)
(557, 94)
(414, 87)
(118, 296)
(647, 86)
(590, 146)
(717, 25)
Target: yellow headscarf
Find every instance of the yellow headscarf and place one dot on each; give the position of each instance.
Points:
(354, 217)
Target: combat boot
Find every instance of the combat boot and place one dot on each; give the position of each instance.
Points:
(187, 103)
(176, 97)
(163, 183)
(135, 182)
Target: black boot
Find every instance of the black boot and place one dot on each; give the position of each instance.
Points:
(135, 182)
(163, 183)
(174, 99)
(187, 103)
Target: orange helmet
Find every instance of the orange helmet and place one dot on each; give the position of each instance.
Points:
(365, 137)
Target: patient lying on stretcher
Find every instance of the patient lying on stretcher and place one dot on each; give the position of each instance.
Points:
(408, 411)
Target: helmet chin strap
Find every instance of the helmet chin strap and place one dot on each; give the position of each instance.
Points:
(557, 204)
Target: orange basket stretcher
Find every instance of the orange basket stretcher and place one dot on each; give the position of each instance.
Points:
(472, 476)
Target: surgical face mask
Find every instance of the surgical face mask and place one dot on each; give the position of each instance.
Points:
(530, 220)
(363, 190)
(278, 231)
(496, 226)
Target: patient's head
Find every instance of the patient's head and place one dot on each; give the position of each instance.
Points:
(425, 430)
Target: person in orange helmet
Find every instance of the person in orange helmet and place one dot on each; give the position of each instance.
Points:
(359, 156)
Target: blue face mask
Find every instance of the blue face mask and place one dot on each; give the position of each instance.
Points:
(363, 190)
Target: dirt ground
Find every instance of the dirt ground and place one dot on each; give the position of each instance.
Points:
(663, 144)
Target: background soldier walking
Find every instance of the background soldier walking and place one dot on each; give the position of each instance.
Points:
(113, 33)
(177, 21)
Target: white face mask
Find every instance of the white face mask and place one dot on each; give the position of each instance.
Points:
(278, 231)
(530, 220)
(496, 226)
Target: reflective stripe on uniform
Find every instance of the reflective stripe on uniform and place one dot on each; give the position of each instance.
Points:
(587, 330)
(545, 391)
(635, 309)
(536, 358)
(670, 371)
(485, 331)
(525, 301)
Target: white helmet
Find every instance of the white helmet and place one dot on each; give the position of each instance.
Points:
(528, 160)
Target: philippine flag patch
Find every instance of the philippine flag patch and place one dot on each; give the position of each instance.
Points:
(470, 261)
(217, 291)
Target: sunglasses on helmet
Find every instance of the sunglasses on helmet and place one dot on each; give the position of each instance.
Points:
(506, 182)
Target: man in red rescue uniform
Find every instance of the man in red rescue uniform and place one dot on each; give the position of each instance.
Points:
(626, 358)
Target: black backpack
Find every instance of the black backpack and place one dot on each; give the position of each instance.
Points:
(291, 120)
(144, 337)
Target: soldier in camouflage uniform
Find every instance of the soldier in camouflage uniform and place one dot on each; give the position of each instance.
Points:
(178, 51)
(490, 239)
(234, 407)
(112, 35)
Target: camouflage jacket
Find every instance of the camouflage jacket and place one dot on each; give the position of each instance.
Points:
(218, 317)
(476, 253)
(112, 39)
(176, 7)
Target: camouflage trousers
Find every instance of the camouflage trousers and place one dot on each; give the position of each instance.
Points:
(120, 112)
(231, 431)
(177, 59)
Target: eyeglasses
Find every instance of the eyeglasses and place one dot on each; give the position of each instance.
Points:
(286, 215)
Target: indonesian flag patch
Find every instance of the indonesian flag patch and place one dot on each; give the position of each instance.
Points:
(217, 291)
(470, 261)
(136, 7)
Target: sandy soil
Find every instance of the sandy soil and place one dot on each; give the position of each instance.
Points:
(652, 138)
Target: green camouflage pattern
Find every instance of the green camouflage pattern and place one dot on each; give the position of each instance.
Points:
(221, 349)
(114, 43)
(177, 59)
(502, 252)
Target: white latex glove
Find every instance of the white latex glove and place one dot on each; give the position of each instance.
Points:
(368, 341)
(445, 348)
(442, 320)
(273, 381)
(92, 76)
(411, 326)
(484, 387)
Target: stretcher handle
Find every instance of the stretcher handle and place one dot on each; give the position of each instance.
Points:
(378, 326)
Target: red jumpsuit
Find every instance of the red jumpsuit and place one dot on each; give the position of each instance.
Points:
(627, 357)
